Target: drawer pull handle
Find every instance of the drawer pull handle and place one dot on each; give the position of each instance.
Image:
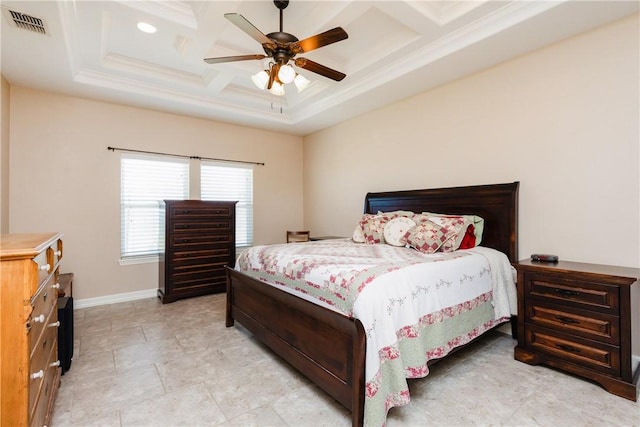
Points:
(54, 364)
(39, 319)
(186, 211)
(568, 348)
(44, 267)
(37, 375)
(564, 319)
(54, 324)
(58, 253)
(566, 292)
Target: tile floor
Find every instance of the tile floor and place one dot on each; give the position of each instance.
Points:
(142, 363)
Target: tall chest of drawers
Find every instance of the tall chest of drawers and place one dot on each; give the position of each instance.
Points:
(581, 318)
(29, 327)
(199, 243)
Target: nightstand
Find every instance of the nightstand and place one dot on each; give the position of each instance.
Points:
(583, 319)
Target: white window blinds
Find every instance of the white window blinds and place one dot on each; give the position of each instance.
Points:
(231, 183)
(144, 183)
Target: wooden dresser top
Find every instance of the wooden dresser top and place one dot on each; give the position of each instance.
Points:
(25, 245)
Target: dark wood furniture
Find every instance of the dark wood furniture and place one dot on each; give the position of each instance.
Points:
(29, 362)
(297, 236)
(581, 318)
(199, 244)
(66, 285)
(329, 348)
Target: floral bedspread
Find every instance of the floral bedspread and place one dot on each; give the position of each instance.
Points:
(414, 307)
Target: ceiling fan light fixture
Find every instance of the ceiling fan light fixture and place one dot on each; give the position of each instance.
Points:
(301, 82)
(277, 89)
(286, 74)
(261, 79)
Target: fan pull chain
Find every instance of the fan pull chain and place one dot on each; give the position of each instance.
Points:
(280, 107)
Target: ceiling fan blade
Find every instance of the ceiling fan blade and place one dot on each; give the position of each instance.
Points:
(319, 40)
(233, 58)
(246, 26)
(314, 67)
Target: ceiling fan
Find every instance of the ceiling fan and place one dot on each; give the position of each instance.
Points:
(283, 47)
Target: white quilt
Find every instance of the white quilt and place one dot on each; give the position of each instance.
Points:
(405, 300)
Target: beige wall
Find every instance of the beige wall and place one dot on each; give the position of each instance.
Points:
(4, 154)
(63, 178)
(563, 121)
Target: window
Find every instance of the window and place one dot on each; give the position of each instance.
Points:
(144, 182)
(231, 182)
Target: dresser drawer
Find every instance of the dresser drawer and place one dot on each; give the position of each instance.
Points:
(195, 213)
(54, 253)
(197, 277)
(194, 258)
(588, 324)
(44, 268)
(590, 296)
(43, 303)
(583, 352)
(184, 227)
(41, 407)
(41, 361)
(197, 241)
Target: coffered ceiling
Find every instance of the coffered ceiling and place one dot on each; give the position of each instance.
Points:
(395, 49)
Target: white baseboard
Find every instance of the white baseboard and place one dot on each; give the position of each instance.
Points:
(114, 299)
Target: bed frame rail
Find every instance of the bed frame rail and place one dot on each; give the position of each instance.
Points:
(284, 323)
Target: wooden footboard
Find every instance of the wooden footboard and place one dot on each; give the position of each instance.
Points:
(326, 346)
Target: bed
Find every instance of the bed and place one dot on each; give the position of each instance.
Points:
(329, 347)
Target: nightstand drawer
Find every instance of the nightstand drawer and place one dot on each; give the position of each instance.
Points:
(588, 324)
(587, 353)
(591, 296)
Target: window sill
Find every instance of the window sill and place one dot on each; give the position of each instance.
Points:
(139, 260)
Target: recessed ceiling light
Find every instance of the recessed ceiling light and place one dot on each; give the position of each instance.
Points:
(147, 28)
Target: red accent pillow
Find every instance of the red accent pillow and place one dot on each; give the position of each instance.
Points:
(469, 239)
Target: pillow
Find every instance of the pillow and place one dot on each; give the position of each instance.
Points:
(358, 236)
(395, 229)
(395, 214)
(469, 239)
(454, 227)
(373, 228)
(426, 237)
(478, 224)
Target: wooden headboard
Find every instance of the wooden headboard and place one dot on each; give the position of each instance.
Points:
(497, 204)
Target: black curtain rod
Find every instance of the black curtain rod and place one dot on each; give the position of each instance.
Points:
(128, 150)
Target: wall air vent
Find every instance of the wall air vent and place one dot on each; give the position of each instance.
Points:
(26, 22)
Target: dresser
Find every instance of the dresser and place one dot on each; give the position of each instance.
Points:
(29, 327)
(199, 243)
(583, 319)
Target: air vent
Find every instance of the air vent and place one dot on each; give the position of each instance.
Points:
(26, 22)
